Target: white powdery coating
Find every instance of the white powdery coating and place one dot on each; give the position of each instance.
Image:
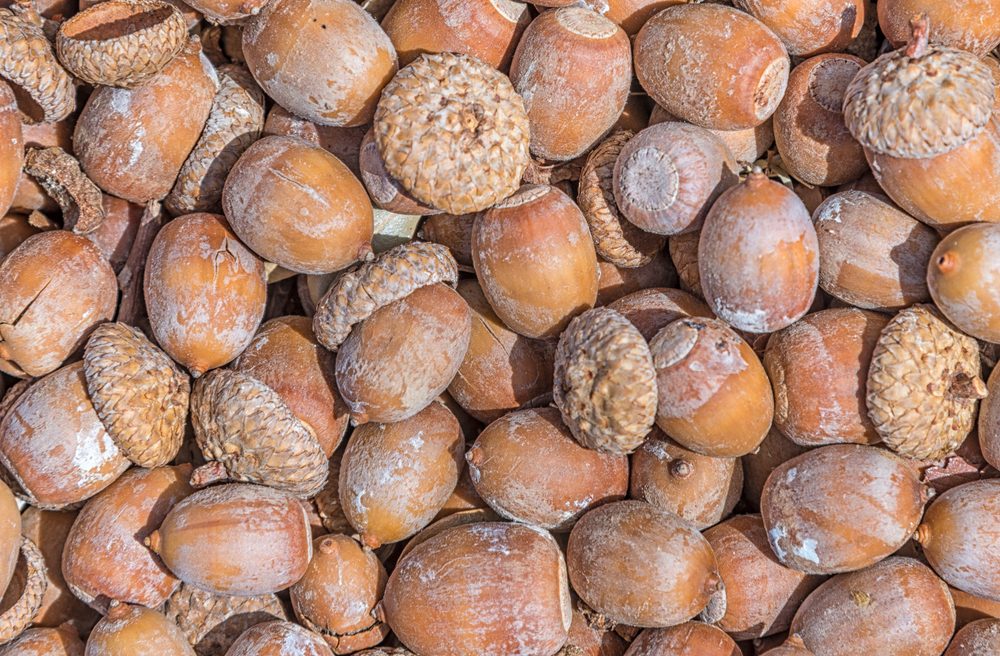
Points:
(280, 639)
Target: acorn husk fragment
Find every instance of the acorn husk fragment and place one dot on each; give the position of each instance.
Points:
(60, 175)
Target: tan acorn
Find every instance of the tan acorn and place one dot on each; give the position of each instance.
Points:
(276, 638)
(117, 232)
(604, 382)
(59, 641)
(922, 369)
(28, 62)
(212, 622)
(136, 631)
(971, 25)
(977, 638)
(687, 639)
(344, 143)
(809, 27)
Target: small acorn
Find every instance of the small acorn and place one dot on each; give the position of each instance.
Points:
(275, 639)
(977, 638)
(956, 276)
(129, 630)
(964, 26)
(453, 231)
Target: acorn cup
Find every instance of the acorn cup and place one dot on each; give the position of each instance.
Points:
(212, 622)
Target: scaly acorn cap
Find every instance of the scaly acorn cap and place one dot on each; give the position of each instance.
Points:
(616, 239)
(919, 101)
(31, 566)
(247, 428)
(138, 392)
(605, 383)
(120, 43)
(453, 132)
(328, 507)
(27, 61)
(924, 384)
(391, 276)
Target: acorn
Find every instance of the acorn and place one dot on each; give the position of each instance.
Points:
(968, 26)
(943, 172)
(394, 478)
(818, 369)
(855, 613)
(922, 368)
(453, 231)
(342, 142)
(955, 275)
(204, 292)
(235, 539)
(605, 384)
(535, 260)
(809, 130)
(111, 527)
(116, 234)
(714, 396)
(614, 282)
(679, 573)
(386, 193)
(571, 62)
(133, 142)
(340, 91)
(59, 641)
(757, 466)
(11, 147)
(809, 27)
(338, 596)
(760, 594)
(226, 12)
(442, 524)
(819, 515)
(53, 443)
(979, 637)
(989, 422)
(54, 289)
(651, 309)
(872, 254)
(276, 638)
(695, 166)
(588, 638)
(793, 646)
(687, 639)
(212, 623)
(332, 225)
(488, 589)
(10, 535)
(528, 468)
(486, 29)
(679, 61)
(758, 256)
(501, 371)
(956, 537)
(136, 631)
(683, 251)
(701, 489)
(746, 146)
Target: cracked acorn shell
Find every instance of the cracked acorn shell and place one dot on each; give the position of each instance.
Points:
(11, 152)
(138, 392)
(810, 27)
(970, 25)
(129, 630)
(235, 538)
(487, 589)
(212, 623)
(960, 277)
(28, 63)
(111, 528)
(856, 613)
(939, 158)
(339, 595)
(924, 384)
(204, 291)
(276, 638)
(133, 142)
(528, 468)
(535, 260)
(60, 641)
(54, 289)
(841, 508)
(330, 224)
(604, 382)
(687, 639)
(121, 44)
(453, 132)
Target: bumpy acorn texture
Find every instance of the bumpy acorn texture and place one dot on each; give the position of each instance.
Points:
(234, 122)
(357, 294)
(245, 426)
(121, 44)
(212, 622)
(452, 130)
(19, 616)
(924, 384)
(605, 384)
(616, 239)
(138, 392)
(27, 61)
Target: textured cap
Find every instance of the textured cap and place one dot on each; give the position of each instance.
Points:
(31, 571)
(453, 132)
(393, 275)
(27, 60)
(140, 395)
(605, 383)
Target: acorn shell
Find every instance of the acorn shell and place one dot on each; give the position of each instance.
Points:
(136, 631)
(687, 639)
(28, 62)
(276, 638)
(211, 622)
(683, 251)
(21, 614)
(957, 276)
(976, 639)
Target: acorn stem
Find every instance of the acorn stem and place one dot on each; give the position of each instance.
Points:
(923, 535)
(921, 29)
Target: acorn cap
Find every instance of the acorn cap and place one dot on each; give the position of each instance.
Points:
(27, 60)
(31, 566)
(919, 101)
(59, 174)
(605, 383)
(212, 622)
(235, 121)
(616, 239)
(453, 132)
(328, 501)
(121, 43)
(138, 392)
(923, 384)
(247, 428)
(391, 276)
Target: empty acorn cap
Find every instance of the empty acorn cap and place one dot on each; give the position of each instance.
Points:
(923, 384)
(919, 101)
(393, 275)
(252, 435)
(453, 132)
(605, 383)
(138, 392)
(212, 622)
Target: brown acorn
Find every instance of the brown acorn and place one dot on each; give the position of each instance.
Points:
(651, 309)
(276, 638)
(11, 147)
(757, 466)
(809, 27)
(115, 235)
(453, 231)
(687, 639)
(211, 622)
(59, 641)
(342, 142)
(683, 251)
(793, 646)
(968, 26)
(615, 282)
(136, 631)
(956, 276)
(442, 524)
(977, 638)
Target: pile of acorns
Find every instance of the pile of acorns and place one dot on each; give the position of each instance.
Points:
(481, 328)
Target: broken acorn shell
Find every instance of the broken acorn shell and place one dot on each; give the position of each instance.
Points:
(809, 27)
(129, 630)
(274, 639)
(957, 277)
(212, 623)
